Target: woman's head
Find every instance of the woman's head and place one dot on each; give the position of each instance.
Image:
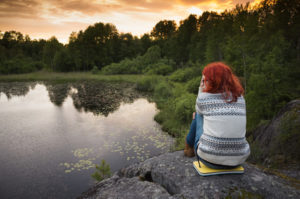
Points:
(219, 78)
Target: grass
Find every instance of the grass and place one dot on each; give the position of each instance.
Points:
(70, 76)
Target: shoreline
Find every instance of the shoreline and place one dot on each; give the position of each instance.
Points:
(69, 76)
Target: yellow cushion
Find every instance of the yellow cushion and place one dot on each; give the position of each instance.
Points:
(206, 171)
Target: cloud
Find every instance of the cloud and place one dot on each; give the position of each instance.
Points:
(88, 7)
(19, 8)
(195, 2)
(61, 17)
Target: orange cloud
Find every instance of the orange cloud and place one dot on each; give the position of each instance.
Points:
(45, 18)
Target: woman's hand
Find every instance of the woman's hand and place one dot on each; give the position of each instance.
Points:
(194, 114)
(202, 85)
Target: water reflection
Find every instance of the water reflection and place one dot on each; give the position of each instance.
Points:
(57, 92)
(16, 88)
(96, 97)
(49, 146)
(101, 98)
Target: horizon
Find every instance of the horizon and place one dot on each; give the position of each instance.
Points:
(43, 19)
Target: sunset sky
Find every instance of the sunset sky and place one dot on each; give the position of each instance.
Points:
(46, 18)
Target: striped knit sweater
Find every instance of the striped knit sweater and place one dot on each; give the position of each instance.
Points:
(224, 127)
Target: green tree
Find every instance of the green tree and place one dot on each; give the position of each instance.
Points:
(63, 62)
(152, 55)
(50, 48)
(102, 171)
(268, 82)
(146, 42)
(164, 29)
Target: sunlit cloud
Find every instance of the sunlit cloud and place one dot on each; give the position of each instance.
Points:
(195, 10)
(45, 18)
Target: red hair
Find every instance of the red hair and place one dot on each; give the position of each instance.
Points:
(219, 78)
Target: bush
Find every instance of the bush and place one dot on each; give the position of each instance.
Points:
(162, 90)
(138, 64)
(20, 65)
(95, 70)
(192, 86)
(185, 74)
(114, 68)
(159, 69)
(184, 107)
(38, 65)
(168, 120)
(126, 66)
(146, 84)
(153, 55)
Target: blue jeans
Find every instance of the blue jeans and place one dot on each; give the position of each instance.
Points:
(196, 130)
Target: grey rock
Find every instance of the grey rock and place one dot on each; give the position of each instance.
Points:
(273, 149)
(153, 178)
(134, 188)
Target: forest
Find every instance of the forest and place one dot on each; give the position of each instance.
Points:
(261, 44)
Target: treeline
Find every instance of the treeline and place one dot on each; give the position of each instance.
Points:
(261, 44)
(97, 46)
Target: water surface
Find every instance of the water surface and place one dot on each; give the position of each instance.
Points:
(52, 135)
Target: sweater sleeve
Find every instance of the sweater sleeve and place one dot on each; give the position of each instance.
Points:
(200, 97)
(200, 90)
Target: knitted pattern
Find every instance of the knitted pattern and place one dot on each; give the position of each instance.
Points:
(215, 105)
(224, 127)
(223, 146)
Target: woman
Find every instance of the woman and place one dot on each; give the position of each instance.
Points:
(218, 129)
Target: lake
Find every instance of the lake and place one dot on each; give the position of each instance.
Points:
(53, 134)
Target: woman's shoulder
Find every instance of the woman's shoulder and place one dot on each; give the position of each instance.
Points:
(209, 95)
(241, 99)
(205, 96)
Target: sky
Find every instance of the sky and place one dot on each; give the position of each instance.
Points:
(59, 18)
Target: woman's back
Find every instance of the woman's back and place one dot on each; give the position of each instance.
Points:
(221, 103)
(224, 127)
(222, 119)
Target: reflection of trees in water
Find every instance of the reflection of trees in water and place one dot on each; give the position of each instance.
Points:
(57, 92)
(102, 98)
(11, 89)
(96, 97)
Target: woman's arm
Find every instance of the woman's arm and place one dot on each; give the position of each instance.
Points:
(202, 85)
(200, 93)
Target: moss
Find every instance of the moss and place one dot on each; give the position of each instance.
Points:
(235, 192)
(287, 144)
(292, 181)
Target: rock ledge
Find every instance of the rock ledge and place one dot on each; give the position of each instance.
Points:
(172, 175)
